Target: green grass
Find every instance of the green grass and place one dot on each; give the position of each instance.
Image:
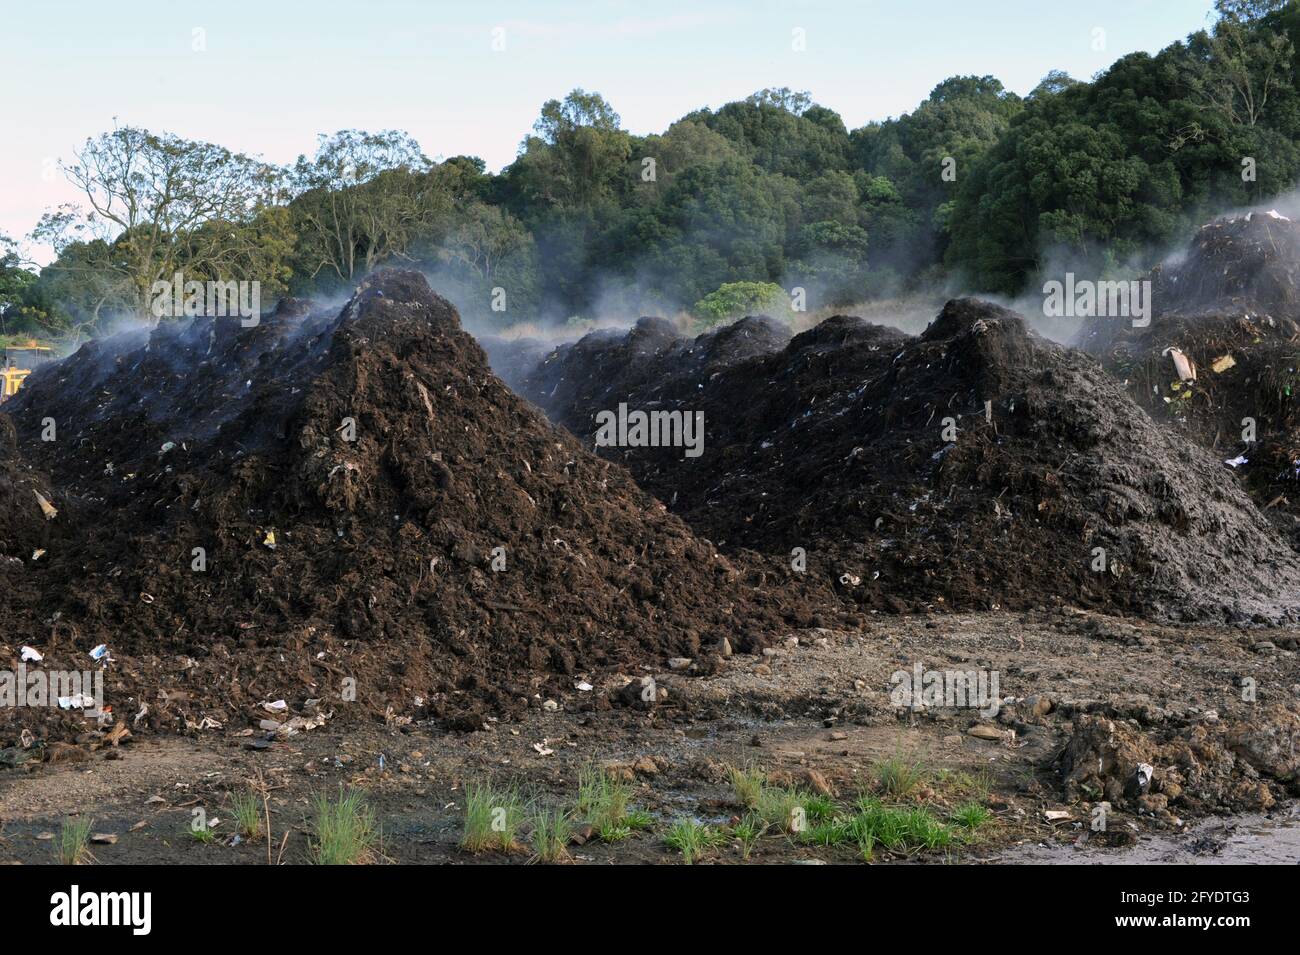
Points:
(692, 839)
(971, 816)
(898, 778)
(73, 846)
(551, 832)
(204, 835)
(602, 798)
(247, 807)
(747, 785)
(345, 830)
(492, 818)
(902, 829)
(782, 808)
(639, 820)
(748, 831)
(819, 808)
(830, 832)
(603, 803)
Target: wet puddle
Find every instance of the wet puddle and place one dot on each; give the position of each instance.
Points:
(1250, 839)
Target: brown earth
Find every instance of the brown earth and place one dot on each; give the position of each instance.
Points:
(454, 557)
(1229, 304)
(838, 444)
(1086, 698)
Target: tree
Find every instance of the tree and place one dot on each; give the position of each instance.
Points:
(737, 299)
(361, 200)
(1240, 67)
(15, 280)
(151, 194)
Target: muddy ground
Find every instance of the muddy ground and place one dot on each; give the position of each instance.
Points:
(816, 715)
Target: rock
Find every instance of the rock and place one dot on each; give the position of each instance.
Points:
(104, 838)
(818, 782)
(984, 731)
(550, 706)
(791, 643)
(679, 663)
(646, 766)
(724, 647)
(1038, 705)
(641, 694)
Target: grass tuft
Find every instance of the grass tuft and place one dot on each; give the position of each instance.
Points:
(345, 830)
(971, 816)
(492, 818)
(247, 808)
(73, 847)
(692, 839)
(551, 832)
(747, 785)
(898, 778)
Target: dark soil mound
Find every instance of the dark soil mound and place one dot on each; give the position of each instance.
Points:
(24, 520)
(837, 445)
(1243, 262)
(1230, 306)
(356, 483)
(650, 360)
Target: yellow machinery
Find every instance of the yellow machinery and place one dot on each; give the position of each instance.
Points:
(19, 360)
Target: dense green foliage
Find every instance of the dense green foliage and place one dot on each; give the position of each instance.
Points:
(976, 186)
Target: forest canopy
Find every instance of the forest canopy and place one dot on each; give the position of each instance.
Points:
(976, 187)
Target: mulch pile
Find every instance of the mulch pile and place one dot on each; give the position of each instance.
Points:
(835, 444)
(356, 482)
(1230, 306)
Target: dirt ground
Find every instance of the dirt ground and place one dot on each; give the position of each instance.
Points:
(817, 715)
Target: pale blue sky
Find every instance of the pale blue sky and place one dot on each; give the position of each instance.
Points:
(275, 73)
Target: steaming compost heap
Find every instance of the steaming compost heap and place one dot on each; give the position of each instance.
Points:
(372, 504)
(1229, 309)
(1046, 483)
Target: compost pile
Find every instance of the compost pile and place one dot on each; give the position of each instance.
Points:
(651, 361)
(372, 504)
(1229, 308)
(1056, 487)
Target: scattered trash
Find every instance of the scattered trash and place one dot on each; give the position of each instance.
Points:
(48, 509)
(1184, 367)
(1222, 364)
(29, 655)
(1237, 462)
(78, 701)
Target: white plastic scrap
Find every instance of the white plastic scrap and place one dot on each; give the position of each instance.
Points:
(1236, 462)
(30, 655)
